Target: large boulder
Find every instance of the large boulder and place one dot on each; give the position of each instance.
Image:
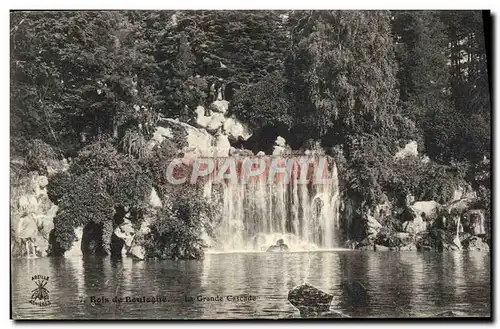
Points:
(222, 146)
(159, 136)
(199, 141)
(309, 299)
(216, 122)
(410, 149)
(415, 226)
(154, 199)
(201, 120)
(236, 130)
(220, 106)
(429, 210)
(138, 252)
(28, 203)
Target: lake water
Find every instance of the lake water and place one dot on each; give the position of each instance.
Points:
(254, 285)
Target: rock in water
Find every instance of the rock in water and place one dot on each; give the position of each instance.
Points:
(279, 246)
(138, 252)
(309, 299)
(450, 314)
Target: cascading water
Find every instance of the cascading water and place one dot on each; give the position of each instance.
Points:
(255, 215)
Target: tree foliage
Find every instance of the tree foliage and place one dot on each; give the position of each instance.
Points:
(266, 102)
(343, 70)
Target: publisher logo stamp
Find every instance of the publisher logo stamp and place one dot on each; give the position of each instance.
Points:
(40, 295)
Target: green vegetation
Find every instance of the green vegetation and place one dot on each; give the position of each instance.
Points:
(177, 231)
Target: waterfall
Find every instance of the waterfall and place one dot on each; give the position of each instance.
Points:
(255, 215)
(456, 241)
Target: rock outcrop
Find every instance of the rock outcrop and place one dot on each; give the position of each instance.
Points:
(154, 199)
(32, 216)
(410, 149)
(415, 226)
(220, 106)
(429, 210)
(212, 135)
(236, 130)
(280, 147)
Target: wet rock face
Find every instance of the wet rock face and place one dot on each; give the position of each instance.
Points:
(309, 300)
(76, 248)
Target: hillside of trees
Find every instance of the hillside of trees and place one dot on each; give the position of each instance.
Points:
(361, 83)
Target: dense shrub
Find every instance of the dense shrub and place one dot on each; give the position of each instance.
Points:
(59, 184)
(177, 231)
(263, 103)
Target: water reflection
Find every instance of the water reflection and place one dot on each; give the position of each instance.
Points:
(363, 284)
